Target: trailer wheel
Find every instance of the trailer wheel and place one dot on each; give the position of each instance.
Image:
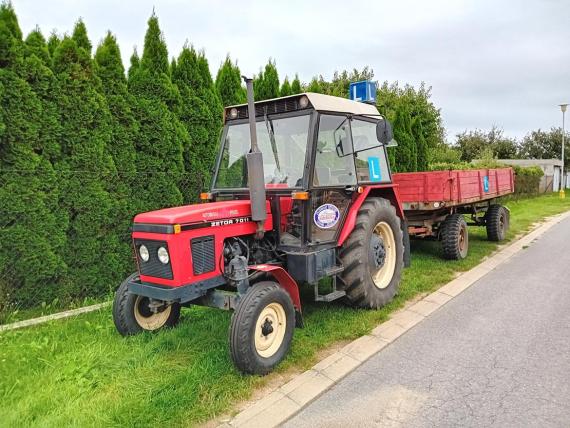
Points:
(132, 314)
(373, 256)
(497, 221)
(454, 237)
(261, 329)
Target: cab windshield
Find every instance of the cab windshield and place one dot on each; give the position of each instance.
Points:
(283, 142)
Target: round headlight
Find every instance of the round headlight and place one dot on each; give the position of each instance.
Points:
(233, 113)
(163, 255)
(143, 252)
(303, 102)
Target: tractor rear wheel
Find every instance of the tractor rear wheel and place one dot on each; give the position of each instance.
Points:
(497, 222)
(133, 314)
(261, 329)
(454, 237)
(373, 256)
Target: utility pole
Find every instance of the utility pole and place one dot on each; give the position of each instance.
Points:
(562, 192)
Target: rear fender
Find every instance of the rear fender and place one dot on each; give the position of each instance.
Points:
(287, 283)
(386, 191)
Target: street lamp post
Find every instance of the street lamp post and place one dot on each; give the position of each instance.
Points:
(562, 192)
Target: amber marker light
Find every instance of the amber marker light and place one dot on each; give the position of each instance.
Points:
(300, 196)
(205, 196)
(177, 228)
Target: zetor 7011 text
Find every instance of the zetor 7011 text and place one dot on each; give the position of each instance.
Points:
(302, 190)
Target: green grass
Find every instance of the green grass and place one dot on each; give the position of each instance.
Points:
(81, 372)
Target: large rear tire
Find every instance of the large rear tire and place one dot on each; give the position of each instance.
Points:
(132, 314)
(454, 237)
(373, 256)
(497, 222)
(261, 329)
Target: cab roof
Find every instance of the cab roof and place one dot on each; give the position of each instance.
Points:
(321, 102)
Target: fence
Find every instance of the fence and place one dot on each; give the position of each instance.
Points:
(65, 236)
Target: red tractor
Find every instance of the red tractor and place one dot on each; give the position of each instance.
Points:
(302, 191)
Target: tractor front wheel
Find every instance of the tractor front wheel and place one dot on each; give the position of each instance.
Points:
(133, 314)
(261, 329)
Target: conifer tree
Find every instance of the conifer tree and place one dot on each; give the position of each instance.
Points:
(124, 128)
(267, 83)
(201, 113)
(296, 86)
(38, 74)
(258, 89)
(421, 145)
(30, 235)
(135, 63)
(87, 170)
(285, 88)
(405, 153)
(316, 86)
(228, 84)
(52, 43)
(80, 36)
(161, 137)
(36, 45)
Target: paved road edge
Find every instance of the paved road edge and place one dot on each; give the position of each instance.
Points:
(286, 401)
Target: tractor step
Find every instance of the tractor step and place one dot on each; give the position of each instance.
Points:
(334, 270)
(337, 294)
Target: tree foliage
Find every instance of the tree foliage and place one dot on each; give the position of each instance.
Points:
(31, 238)
(228, 84)
(161, 138)
(285, 88)
(91, 251)
(478, 143)
(296, 86)
(201, 115)
(542, 144)
(266, 83)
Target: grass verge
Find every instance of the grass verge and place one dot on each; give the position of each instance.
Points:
(81, 372)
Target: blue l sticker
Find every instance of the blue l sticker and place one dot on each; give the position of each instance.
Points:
(486, 183)
(374, 169)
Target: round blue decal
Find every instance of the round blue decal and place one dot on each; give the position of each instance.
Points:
(326, 216)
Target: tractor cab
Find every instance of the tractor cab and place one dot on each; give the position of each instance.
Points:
(318, 151)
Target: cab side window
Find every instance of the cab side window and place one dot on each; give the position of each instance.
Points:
(334, 162)
(370, 155)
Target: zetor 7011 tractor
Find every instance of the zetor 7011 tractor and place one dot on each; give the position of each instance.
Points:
(302, 191)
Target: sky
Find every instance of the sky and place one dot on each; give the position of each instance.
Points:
(503, 63)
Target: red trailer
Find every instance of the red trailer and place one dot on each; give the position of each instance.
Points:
(435, 203)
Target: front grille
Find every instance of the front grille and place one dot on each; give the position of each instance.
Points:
(153, 267)
(203, 254)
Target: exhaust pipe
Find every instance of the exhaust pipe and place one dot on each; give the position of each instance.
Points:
(255, 175)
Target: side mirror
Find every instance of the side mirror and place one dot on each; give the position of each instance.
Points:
(384, 131)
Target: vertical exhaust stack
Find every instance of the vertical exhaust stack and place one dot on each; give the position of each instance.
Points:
(255, 175)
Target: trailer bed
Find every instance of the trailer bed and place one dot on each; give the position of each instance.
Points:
(425, 191)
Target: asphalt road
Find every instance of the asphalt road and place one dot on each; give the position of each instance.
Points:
(497, 355)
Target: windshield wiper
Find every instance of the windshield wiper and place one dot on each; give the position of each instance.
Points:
(269, 126)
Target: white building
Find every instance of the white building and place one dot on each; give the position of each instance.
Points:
(552, 168)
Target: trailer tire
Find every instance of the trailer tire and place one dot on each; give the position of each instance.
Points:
(497, 222)
(131, 314)
(454, 237)
(373, 256)
(261, 329)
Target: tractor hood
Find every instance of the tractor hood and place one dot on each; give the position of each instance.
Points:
(198, 213)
